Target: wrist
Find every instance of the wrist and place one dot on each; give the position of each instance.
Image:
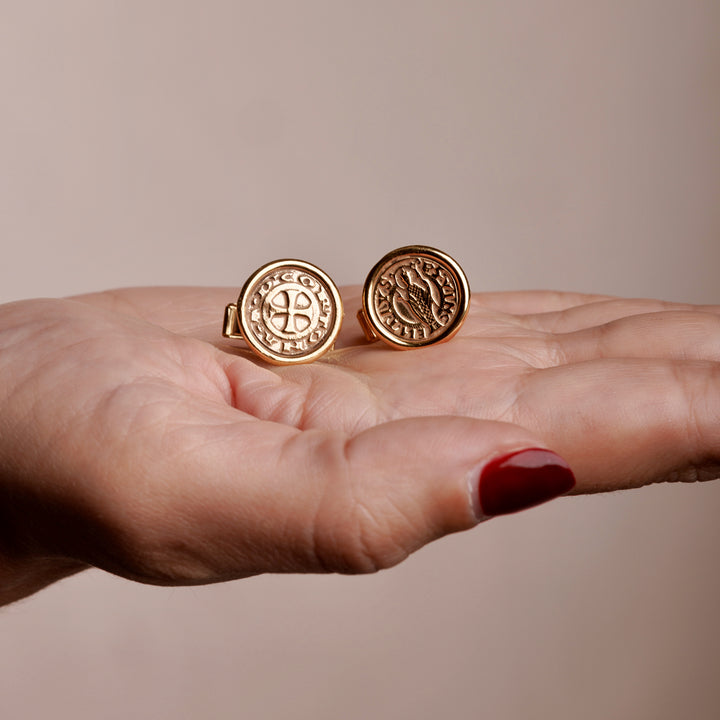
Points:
(27, 564)
(20, 578)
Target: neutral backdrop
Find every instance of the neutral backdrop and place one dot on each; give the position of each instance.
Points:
(549, 144)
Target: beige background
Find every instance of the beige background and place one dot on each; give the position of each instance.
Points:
(544, 144)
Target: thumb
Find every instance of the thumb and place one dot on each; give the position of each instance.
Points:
(400, 485)
(258, 496)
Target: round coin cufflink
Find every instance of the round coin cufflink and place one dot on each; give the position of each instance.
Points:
(414, 296)
(288, 312)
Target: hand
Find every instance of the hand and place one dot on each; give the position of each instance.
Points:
(136, 439)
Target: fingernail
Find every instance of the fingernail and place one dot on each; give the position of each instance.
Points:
(523, 479)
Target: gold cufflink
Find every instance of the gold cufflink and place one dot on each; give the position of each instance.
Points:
(414, 296)
(288, 312)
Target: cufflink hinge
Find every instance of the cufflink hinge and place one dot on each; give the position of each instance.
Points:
(231, 326)
(367, 328)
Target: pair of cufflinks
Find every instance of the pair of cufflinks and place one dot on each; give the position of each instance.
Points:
(290, 311)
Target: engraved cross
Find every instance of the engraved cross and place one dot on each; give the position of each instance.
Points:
(291, 308)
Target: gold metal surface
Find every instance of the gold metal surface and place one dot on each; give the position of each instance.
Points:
(288, 312)
(414, 296)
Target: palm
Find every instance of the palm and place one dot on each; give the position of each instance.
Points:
(604, 381)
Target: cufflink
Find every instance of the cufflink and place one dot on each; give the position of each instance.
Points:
(414, 296)
(288, 312)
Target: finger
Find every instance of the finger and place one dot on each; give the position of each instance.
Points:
(261, 497)
(680, 335)
(628, 423)
(605, 311)
(534, 301)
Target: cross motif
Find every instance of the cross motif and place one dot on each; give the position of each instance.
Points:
(291, 309)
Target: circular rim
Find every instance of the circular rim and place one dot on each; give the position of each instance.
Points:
(422, 251)
(264, 352)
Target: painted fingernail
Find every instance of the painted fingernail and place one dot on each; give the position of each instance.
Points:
(523, 479)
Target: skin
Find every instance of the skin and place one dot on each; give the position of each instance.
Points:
(134, 438)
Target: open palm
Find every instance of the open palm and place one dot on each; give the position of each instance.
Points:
(141, 441)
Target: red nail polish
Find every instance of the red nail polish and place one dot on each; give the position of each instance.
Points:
(523, 479)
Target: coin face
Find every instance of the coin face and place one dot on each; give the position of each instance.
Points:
(290, 312)
(416, 296)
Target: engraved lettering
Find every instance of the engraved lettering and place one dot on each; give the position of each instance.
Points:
(416, 298)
